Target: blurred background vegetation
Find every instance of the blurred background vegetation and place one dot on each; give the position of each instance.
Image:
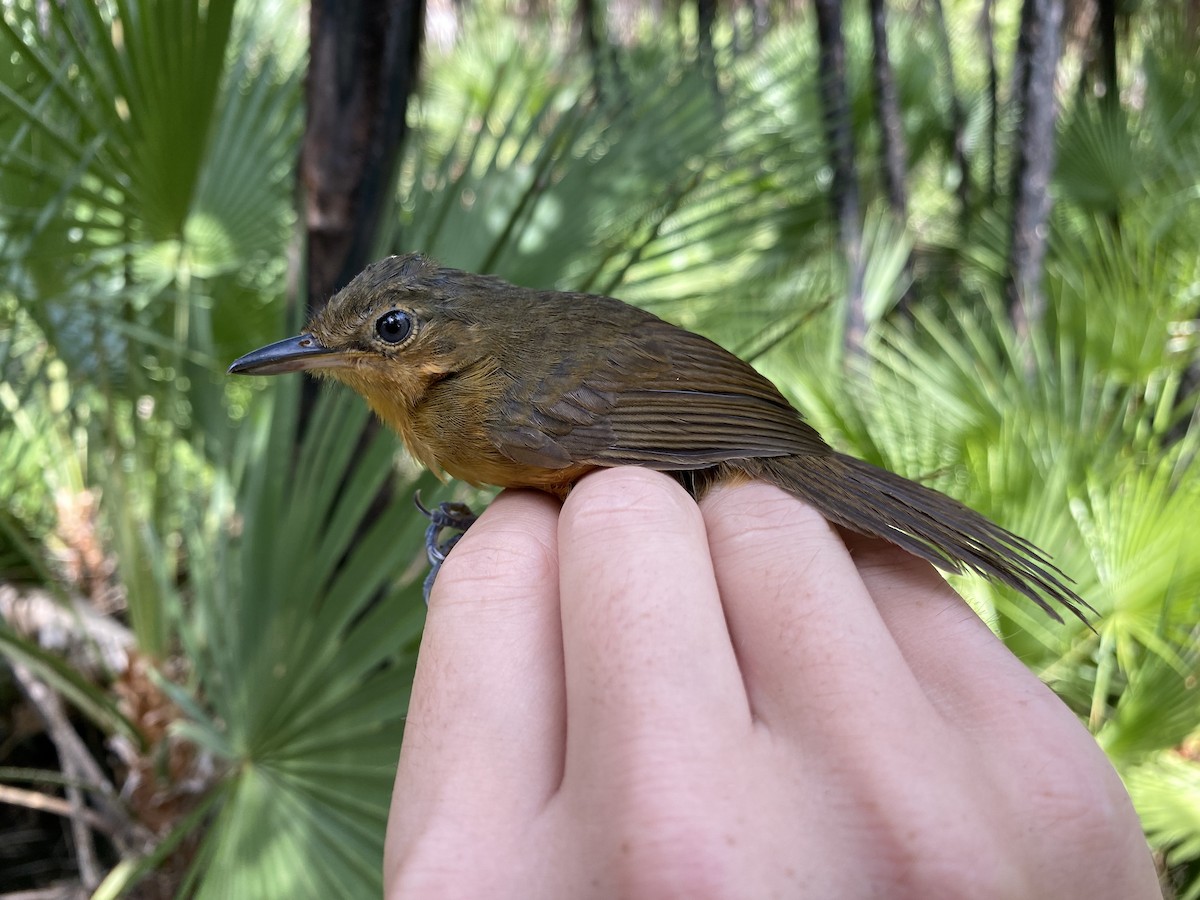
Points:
(960, 234)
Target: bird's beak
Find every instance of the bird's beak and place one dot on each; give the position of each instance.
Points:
(294, 354)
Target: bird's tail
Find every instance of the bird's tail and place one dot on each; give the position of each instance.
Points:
(925, 522)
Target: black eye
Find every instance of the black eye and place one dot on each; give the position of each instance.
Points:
(394, 326)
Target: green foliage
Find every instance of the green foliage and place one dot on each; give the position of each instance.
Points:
(1166, 791)
(146, 164)
(147, 174)
(300, 618)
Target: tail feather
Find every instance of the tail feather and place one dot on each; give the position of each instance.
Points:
(925, 522)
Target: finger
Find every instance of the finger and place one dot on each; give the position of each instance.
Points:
(812, 647)
(964, 669)
(649, 668)
(484, 733)
(1029, 742)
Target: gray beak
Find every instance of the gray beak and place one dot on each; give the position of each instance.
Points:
(294, 354)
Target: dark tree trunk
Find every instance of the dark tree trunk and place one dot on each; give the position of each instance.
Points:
(363, 61)
(989, 44)
(887, 106)
(706, 20)
(1106, 28)
(958, 118)
(362, 68)
(1036, 66)
(761, 11)
(589, 29)
(840, 138)
(606, 67)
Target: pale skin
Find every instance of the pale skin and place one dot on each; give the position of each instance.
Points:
(632, 695)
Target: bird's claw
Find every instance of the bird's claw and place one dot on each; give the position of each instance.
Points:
(457, 516)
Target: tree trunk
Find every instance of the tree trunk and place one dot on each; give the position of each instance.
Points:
(606, 66)
(706, 20)
(1036, 66)
(840, 138)
(989, 43)
(958, 118)
(362, 68)
(589, 29)
(1106, 28)
(887, 107)
(363, 62)
(761, 22)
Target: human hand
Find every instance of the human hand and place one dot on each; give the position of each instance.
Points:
(639, 697)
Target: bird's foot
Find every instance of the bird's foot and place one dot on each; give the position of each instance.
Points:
(457, 516)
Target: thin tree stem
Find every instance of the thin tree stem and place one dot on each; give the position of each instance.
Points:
(989, 44)
(840, 139)
(1037, 62)
(958, 116)
(887, 106)
(362, 70)
(1106, 23)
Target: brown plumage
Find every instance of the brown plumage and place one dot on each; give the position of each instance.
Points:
(503, 385)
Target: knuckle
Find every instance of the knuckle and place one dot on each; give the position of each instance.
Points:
(441, 865)
(1087, 806)
(496, 563)
(668, 834)
(943, 860)
(750, 516)
(673, 857)
(933, 846)
(627, 501)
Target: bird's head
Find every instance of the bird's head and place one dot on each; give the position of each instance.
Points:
(401, 325)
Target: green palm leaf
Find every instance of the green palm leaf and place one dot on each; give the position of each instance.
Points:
(301, 624)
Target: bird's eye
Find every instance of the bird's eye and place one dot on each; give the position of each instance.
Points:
(393, 327)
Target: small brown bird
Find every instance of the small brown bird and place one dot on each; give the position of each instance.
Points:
(503, 385)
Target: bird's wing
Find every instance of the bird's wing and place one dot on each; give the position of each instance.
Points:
(659, 397)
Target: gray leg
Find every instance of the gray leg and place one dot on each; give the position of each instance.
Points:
(457, 516)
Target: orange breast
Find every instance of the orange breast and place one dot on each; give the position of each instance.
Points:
(502, 472)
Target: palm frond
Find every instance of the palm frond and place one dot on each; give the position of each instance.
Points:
(301, 622)
(1166, 792)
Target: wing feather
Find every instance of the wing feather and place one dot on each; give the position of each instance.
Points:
(660, 397)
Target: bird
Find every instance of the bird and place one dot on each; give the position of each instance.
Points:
(497, 384)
